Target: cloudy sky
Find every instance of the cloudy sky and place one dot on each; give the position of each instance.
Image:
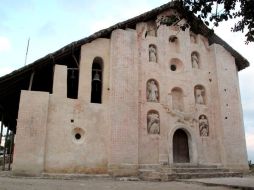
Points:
(51, 24)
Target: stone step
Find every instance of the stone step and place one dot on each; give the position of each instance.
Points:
(194, 170)
(203, 175)
(183, 165)
(152, 175)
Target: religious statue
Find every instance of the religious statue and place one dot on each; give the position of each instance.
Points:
(152, 53)
(153, 123)
(199, 95)
(152, 91)
(194, 60)
(203, 126)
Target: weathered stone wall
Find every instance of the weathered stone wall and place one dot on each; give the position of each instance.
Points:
(124, 94)
(229, 112)
(203, 150)
(31, 133)
(153, 85)
(67, 117)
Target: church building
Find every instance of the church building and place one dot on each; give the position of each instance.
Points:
(141, 98)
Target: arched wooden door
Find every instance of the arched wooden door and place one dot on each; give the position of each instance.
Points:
(180, 147)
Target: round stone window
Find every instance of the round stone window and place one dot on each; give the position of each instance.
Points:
(78, 135)
(173, 67)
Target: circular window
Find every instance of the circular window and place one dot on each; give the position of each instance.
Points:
(78, 135)
(173, 67)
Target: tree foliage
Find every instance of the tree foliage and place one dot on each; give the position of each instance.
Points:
(217, 11)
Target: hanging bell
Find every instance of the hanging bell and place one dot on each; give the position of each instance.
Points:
(96, 77)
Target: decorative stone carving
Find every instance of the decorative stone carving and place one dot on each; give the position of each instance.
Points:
(152, 91)
(203, 126)
(195, 60)
(199, 94)
(187, 118)
(153, 122)
(152, 53)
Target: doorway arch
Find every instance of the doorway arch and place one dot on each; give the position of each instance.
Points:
(180, 147)
(192, 144)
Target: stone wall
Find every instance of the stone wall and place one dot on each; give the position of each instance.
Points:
(31, 133)
(155, 82)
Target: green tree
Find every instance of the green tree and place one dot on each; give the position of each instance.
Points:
(217, 11)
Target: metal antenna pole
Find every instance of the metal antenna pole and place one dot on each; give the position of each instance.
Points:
(27, 49)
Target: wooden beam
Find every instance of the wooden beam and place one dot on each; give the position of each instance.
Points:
(31, 81)
(1, 130)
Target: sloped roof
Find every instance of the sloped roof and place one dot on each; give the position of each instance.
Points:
(197, 26)
(13, 80)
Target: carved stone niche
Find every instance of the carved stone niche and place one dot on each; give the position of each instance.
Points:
(151, 28)
(152, 53)
(174, 43)
(200, 96)
(195, 60)
(152, 91)
(177, 99)
(203, 126)
(153, 122)
(193, 38)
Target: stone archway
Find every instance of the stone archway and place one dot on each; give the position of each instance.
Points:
(180, 147)
(191, 140)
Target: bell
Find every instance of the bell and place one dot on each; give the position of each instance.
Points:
(96, 77)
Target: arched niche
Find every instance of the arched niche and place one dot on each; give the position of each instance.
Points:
(153, 55)
(151, 28)
(175, 65)
(174, 44)
(177, 99)
(193, 38)
(200, 94)
(153, 122)
(97, 80)
(195, 60)
(152, 91)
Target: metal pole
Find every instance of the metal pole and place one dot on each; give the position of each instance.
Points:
(27, 49)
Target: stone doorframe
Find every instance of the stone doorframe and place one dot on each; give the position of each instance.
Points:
(192, 143)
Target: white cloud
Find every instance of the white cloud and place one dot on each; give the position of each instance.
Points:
(5, 44)
(5, 70)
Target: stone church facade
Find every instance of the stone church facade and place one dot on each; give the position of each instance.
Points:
(147, 96)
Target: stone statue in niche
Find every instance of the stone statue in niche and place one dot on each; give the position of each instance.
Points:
(203, 126)
(152, 53)
(153, 123)
(199, 95)
(152, 91)
(194, 60)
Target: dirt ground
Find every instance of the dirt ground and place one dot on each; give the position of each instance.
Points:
(8, 183)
